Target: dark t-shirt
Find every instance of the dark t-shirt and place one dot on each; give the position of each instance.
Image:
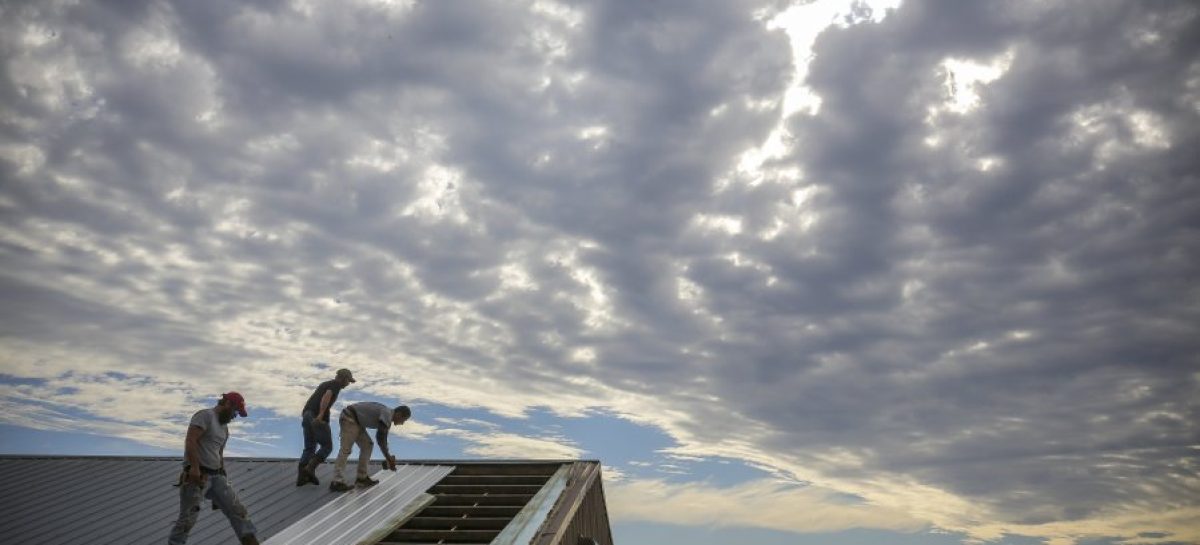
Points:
(314, 401)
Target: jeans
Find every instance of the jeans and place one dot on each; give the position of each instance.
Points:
(352, 434)
(221, 493)
(315, 433)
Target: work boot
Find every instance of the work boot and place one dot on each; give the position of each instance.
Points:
(339, 486)
(249, 540)
(366, 481)
(310, 472)
(301, 476)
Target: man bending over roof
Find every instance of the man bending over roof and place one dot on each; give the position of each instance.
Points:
(204, 463)
(354, 422)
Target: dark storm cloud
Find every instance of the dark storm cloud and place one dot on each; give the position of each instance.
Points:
(1073, 260)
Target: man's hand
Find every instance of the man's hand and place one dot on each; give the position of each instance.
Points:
(391, 463)
(195, 477)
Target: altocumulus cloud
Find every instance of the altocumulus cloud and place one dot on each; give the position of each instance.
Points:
(956, 283)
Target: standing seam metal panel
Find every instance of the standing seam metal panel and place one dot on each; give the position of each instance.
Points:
(92, 508)
(362, 513)
(154, 518)
(130, 501)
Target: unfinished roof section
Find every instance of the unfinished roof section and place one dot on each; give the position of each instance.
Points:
(479, 503)
(366, 514)
(498, 503)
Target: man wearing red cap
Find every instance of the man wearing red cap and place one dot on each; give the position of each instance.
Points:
(204, 463)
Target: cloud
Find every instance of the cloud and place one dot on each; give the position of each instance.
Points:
(759, 503)
(938, 257)
(985, 297)
(141, 409)
(514, 446)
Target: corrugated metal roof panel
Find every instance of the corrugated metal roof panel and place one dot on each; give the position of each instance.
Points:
(130, 501)
(358, 515)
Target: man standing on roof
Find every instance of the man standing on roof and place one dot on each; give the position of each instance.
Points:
(315, 421)
(204, 463)
(354, 421)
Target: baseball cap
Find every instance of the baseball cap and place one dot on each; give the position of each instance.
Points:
(238, 402)
(345, 373)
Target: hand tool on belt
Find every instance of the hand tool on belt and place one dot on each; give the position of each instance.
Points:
(205, 470)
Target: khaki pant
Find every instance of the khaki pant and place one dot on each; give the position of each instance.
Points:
(351, 434)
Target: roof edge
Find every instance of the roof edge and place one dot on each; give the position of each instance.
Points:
(443, 461)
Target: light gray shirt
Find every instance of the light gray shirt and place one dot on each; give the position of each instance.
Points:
(213, 440)
(373, 415)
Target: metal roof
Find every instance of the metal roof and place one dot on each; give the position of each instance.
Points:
(131, 501)
(363, 514)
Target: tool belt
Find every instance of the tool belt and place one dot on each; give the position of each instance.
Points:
(205, 470)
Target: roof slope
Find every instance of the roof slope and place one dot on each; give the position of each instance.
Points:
(131, 501)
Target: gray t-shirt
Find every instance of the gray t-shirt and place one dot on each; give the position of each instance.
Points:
(213, 440)
(373, 415)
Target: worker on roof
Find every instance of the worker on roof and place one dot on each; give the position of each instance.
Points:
(315, 421)
(204, 464)
(354, 422)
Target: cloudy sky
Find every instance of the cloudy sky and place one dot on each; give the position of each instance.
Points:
(822, 272)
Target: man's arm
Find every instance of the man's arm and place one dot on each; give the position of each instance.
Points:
(325, 401)
(381, 436)
(191, 453)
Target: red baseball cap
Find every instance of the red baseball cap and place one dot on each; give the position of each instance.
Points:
(238, 402)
